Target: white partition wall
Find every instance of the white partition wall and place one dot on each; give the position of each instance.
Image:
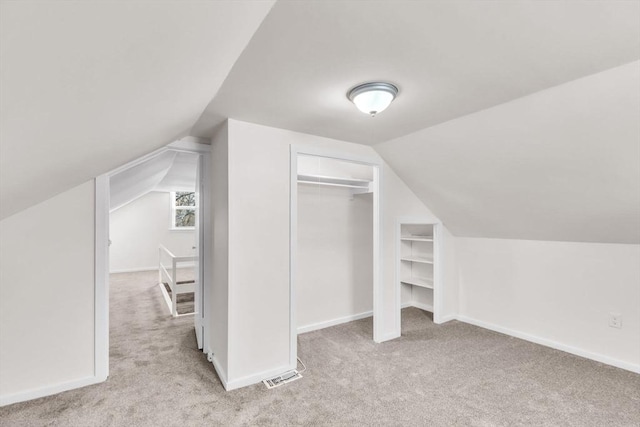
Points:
(216, 293)
(251, 199)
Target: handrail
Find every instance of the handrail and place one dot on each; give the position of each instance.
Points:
(162, 247)
(171, 277)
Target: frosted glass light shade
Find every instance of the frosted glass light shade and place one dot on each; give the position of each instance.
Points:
(372, 98)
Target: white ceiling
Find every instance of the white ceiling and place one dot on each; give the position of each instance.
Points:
(182, 174)
(561, 164)
(88, 86)
(486, 130)
(128, 185)
(449, 59)
(167, 171)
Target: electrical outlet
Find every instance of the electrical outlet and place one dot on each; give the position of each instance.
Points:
(615, 320)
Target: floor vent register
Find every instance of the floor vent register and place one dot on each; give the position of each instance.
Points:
(282, 379)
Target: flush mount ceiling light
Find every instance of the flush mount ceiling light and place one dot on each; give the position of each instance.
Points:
(373, 97)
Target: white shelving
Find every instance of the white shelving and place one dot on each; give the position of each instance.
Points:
(357, 184)
(416, 239)
(418, 281)
(420, 259)
(416, 264)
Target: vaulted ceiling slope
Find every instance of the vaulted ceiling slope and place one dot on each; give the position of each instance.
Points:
(88, 86)
(449, 59)
(167, 171)
(561, 164)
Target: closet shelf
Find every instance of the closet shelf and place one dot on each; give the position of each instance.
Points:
(423, 260)
(417, 238)
(334, 181)
(418, 281)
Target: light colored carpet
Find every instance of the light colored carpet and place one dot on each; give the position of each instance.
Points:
(448, 375)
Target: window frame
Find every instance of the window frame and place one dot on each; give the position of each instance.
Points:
(174, 208)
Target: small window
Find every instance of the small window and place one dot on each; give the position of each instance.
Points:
(183, 210)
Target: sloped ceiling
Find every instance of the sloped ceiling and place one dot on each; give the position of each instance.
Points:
(135, 182)
(167, 171)
(88, 86)
(449, 59)
(182, 174)
(561, 164)
(514, 119)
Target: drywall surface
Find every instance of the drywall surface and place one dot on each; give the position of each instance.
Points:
(451, 289)
(449, 58)
(259, 244)
(152, 78)
(560, 164)
(258, 251)
(47, 294)
(130, 184)
(137, 229)
(334, 274)
(556, 291)
(216, 293)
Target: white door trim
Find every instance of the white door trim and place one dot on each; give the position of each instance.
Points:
(101, 297)
(378, 291)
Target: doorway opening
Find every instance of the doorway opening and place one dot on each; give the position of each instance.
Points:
(151, 228)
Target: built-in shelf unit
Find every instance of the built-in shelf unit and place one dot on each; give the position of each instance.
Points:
(417, 257)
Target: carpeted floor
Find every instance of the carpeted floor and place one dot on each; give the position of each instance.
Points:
(448, 375)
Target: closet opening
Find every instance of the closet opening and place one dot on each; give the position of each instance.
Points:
(335, 241)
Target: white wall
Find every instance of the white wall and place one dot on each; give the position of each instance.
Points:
(138, 228)
(450, 297)
(258, 252)
(400, 202)
(258, 192)
(556, 293)
(334, 275)
(47, 296)
(217, 294)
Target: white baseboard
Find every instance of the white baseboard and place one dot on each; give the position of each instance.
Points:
(221, 373)
(333, 322)
(447, 318)
(389, 337)
(553, 344)
(255, 378)
(48, 390)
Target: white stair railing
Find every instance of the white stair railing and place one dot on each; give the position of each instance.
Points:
(176, 287)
